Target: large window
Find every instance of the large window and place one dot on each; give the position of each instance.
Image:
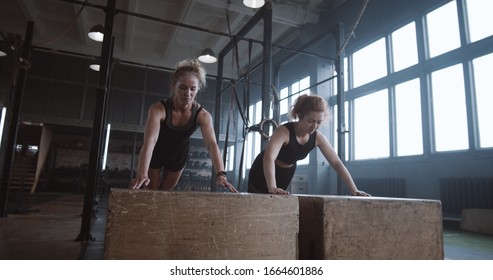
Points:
(404, 47)
(443, 29)
(371, 126)
(440, 85)
(409, 134)
(370, 63)
(483, 67)
(479, 19)
(449, 109)
(284, 101)
(305, 85)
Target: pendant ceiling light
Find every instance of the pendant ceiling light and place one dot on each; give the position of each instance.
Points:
(96, 33)
(2, 53)
(207, 56)
(95, 67)
(253, 3)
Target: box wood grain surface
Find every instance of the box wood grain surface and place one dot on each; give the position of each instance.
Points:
(145, 224)
(369, 228)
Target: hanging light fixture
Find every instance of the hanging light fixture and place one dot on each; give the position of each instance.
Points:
(95, 65)
(2, 53)
(207, 56)
(254, 3)
(96, 33)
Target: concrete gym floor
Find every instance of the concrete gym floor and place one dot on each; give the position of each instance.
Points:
(45, 226)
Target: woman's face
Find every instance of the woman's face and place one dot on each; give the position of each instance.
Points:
(311, 122)
(186, 88)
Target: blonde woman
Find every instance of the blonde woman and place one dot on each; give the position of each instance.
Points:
(169, 125)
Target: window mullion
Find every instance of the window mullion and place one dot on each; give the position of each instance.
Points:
(463, 23)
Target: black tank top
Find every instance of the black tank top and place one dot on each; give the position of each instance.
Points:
(294, 151)
(176, 137)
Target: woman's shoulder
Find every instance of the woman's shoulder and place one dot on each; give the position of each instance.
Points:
(158, 109)
(203, 115)
(159, 105)
(288, 127)
(320, 138)
(199, 108)
(283, 130)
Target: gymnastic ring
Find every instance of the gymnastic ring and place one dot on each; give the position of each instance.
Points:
(261, 127)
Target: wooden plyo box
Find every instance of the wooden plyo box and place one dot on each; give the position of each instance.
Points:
(477, 220)
(145, 224)
(369, 228)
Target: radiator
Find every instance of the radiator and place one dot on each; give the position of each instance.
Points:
(457, 194)
(386, 187)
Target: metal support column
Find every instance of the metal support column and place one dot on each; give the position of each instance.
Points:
(94, 167)
(341, 121)
(12, 136)
(266, 69)
(217, 109)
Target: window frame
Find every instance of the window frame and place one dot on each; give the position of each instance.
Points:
(464, 55)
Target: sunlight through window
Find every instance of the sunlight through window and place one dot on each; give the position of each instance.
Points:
(483, 67)
(370, 63)
(404, 47)
(443, 29)
(449, 109)
(479, 18)
(371, 126)
(408, 118)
